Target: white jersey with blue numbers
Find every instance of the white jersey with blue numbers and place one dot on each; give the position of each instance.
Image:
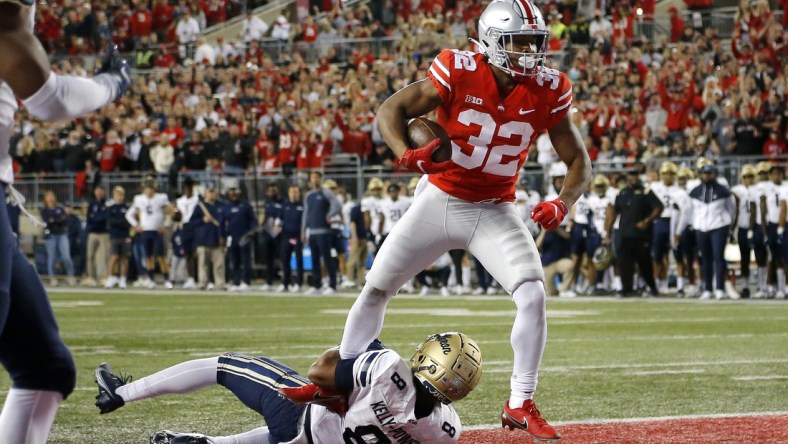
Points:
(581, 209)
(598, 205)
(148, 212)
(8, 108)
(382, 408)
(746, 195)
(392, 211)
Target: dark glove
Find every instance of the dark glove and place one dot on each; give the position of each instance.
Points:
(114, 71)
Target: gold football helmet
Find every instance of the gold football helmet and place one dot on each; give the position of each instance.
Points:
(375, 184)
(747, 170)
(600, 183)
(685, 174)
(763, 167)
(668, 168)
(448, 365)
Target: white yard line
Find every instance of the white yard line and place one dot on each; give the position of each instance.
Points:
(759, 378)
(570, 368)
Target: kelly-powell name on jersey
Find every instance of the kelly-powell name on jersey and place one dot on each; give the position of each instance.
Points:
(388, 422)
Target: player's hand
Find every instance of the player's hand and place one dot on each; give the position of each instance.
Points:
(115, 69)
(420, 159)
(549, 214)
(312, 394)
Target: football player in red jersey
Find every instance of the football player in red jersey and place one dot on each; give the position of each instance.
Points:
(38, 362)
(492, 104)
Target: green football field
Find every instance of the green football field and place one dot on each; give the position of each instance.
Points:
(605, 358)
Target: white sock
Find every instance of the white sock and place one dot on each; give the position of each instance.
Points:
(679, 283)
(256, 436)
(28, 415)
(529, 336)
(466, 277)
(763, 275)
(186, 377)
(68, 97)
(781, 280)
(452, 278)
(364, 321)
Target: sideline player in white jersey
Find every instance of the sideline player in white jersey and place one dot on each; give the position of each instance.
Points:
(186, 205)
(491, 103)
(672, 196)
(747, 204)
(759, 238)
(392, 208)
(371, 203)
(773, 208)
(599, 204)
(39, 364)
(685, 241)
(382, 397)
(146, 217)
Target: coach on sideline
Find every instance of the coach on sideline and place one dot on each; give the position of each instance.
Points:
(638, 207)
(713, 208)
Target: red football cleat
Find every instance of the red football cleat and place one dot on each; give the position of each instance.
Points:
(312, 394)
(529, 419)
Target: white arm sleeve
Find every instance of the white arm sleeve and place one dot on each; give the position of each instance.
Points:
(68, 97)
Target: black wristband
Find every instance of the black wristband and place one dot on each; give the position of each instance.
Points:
(343, 375)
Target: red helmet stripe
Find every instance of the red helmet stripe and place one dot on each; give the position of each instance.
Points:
(526, 8)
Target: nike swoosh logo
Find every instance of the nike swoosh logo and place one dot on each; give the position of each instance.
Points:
(524, 112)
(418, 164)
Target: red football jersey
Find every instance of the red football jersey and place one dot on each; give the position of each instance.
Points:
(489, 135)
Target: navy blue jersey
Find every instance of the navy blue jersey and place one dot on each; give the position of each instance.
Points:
(207, 234)
(357, 217)
(97, 217)
(56, 219)
(240, 219)
(291, 216)
(117, 224)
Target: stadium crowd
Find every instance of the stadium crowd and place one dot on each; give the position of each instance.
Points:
(236, 109)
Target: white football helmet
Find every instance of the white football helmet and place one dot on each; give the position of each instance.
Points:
(500, 23)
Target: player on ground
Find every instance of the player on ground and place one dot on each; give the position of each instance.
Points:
(491, 104)
(388, 399)
(39, 364)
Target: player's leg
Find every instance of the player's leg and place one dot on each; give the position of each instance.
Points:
(50, 244)
(186, 377)
(326, 245)
(39, 364)
(256, 383)
(217, 260)
(317, 269)
(414, 243)
(503, 244)
(64, 251)
(706, 262)
(48, 96)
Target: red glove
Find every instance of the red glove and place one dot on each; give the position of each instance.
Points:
(549, 214)
(420, 159)
(312, 394)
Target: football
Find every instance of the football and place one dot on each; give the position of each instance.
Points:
(422, 131)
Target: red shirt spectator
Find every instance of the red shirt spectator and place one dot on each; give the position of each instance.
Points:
(165, 59)
(676, 24)
(141, 22)
(174, 132)
(288, 140)
(309, 30)
(678, 104)
(321, 149)
(354, 141)
(304, 153)
(162, 15)
(773, 146)
(110, 154)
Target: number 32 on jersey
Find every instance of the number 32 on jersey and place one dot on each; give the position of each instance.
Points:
(494, 163)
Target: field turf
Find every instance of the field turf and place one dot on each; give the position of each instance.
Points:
(605, 358)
